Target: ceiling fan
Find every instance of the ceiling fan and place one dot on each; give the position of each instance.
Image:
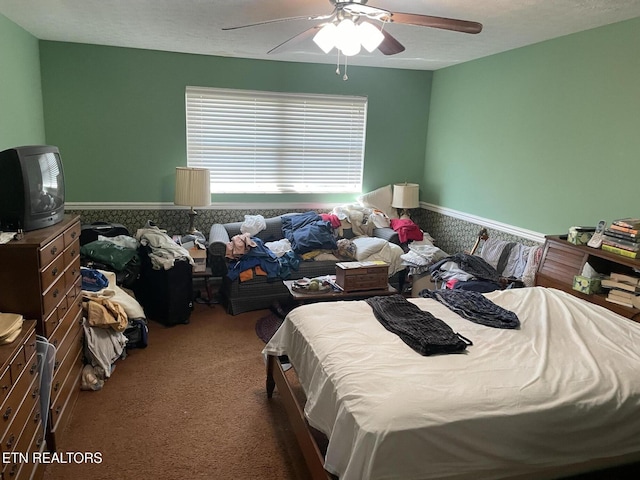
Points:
(352, 14)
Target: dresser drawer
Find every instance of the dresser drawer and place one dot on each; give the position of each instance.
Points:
(72, 273)
(52, 297)
(18, 470)
(64, 365)
(71, 322)
(5, 383)
(72, 234)
(62, 404)
(30, 345)
(71, 253)
(52, 327)
(20, 419)
(11, 406)
(17, 365)
(51, 250)
(52, 272)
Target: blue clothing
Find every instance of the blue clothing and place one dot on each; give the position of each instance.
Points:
(307, 232)
(256, 256)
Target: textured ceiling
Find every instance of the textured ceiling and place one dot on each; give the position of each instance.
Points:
(195, 26)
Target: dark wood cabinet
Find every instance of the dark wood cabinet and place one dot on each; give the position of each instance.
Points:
(562, 260)
(21, 432)
(40, 279)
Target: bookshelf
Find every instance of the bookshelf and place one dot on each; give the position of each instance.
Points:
(562, 260)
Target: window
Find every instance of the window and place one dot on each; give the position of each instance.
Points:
(265, 142)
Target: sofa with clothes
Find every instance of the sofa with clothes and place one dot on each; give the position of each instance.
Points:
(254, 256)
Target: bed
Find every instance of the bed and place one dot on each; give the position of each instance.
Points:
(558, 396)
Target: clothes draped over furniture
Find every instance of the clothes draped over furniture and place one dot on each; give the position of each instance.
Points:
(475, 266)
(475, 307)
(163, 250)
(407, 229)
(322, 246)
(423, 332)
(308, 231)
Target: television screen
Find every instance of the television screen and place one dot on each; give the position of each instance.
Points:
(46, 184)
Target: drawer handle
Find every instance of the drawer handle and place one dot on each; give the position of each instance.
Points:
(56, 293)
(73, 234)
(40, 442)
(56, 365)
(19, 365)
(58, 410)
(12, 438)
(73, 252)
(35, 392)
(56, 386)
(54, 250)
(14, 470)
(5, 387)
(36, 417)
(54, 272)
(33, 368)
(7, 413)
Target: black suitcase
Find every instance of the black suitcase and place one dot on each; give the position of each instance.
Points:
(89, 233)
(165, 295)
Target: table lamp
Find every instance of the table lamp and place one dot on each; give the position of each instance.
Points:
(193, 190)
(405, 196)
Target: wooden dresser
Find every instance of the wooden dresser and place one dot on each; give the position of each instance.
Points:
(40, 279)
(562, 260)
(20, 425)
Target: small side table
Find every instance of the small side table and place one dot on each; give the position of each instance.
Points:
(206, 275)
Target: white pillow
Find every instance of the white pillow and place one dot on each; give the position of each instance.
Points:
(367, 246)
(379, 199)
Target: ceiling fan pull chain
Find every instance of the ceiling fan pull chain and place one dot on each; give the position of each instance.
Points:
(345, 78)
(338, 65)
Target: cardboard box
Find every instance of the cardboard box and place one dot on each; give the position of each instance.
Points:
(361, 276)
(200, 259)
(586, 285)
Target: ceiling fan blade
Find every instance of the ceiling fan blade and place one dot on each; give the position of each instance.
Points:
(277, 20)
(463, 26)
(390, 46)
(309, 33)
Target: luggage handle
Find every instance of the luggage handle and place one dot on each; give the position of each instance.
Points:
(102, 227)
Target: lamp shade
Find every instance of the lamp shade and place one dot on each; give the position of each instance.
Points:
(406, 195)
(192, 187)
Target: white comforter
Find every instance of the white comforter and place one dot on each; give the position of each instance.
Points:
(563, 389)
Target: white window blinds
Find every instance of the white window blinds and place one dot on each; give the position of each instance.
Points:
(269, 142)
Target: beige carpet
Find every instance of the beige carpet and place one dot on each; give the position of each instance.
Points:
(191, 405)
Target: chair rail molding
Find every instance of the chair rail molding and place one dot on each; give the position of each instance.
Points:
(485, 222)
(212, 206)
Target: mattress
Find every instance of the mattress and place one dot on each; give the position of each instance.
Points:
(562, 389)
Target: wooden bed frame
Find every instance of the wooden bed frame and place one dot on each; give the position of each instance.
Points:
(624, 465)
(310, 450)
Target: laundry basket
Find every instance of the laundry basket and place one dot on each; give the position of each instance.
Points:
(46, 361)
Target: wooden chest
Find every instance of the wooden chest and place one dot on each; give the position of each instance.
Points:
(355, 276)
(40, 279)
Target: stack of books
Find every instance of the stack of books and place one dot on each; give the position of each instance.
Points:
(623, 237)
(623, 289)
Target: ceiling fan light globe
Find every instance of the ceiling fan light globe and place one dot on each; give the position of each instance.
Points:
(325, 38)
(370, 36)
(347, 38)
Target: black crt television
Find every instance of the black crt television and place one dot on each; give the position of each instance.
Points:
(31, 188)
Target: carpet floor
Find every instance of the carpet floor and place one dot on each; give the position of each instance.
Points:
(190, 405)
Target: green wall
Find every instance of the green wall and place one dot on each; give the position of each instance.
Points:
(118, 116)
(21, 118)
(543, 137)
